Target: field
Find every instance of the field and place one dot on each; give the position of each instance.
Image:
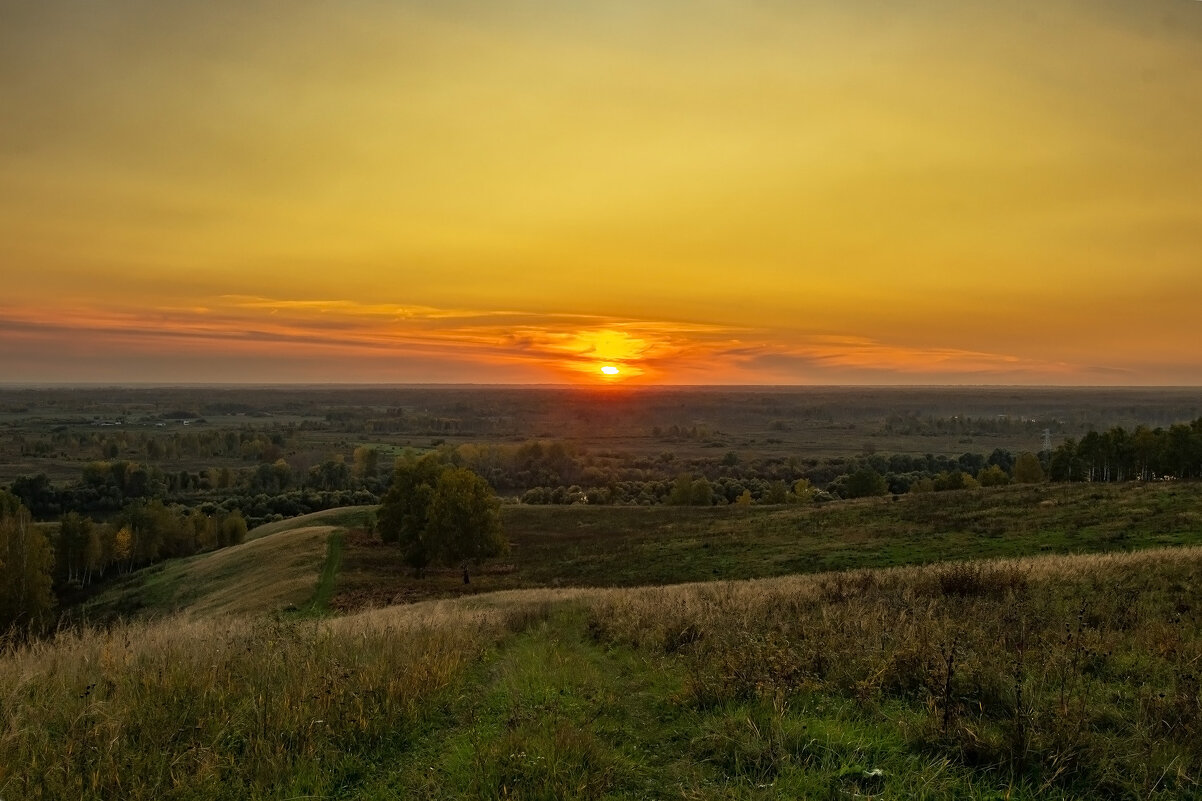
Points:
(58, 430)
(583, 546)
(1045, 677)
(622, 546)
(1015, 642)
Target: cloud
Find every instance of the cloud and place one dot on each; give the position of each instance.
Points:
(389, 342)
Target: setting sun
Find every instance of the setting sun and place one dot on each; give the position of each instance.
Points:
(714, 193)
(609, 369)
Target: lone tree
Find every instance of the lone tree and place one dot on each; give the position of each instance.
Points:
(441, 514)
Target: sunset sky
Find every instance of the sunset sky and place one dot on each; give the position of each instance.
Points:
(692, 191)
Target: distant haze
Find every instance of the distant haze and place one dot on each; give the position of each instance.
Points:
(940, 192)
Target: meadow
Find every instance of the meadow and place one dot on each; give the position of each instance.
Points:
(1027, 641)
(1039, 677)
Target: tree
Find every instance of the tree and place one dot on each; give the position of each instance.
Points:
(367, 460)
(123, 548)
(993, 476)
(233, 528)
(682, 491)
(803, 491)
(74, 537)
(1027, 469)
(864, 483)
(778, 492)
(26, 562)
(1064, 465)
(404, 508)
(439, 513)
(464, 519)
(701, 492)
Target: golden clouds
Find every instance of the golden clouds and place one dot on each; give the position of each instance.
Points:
(271, 339)
(953, 191)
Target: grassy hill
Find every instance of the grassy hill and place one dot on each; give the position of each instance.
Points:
(651, 653)
(342, 517)
(1048, 677)
(556, 546)
(285, 564)
(271, 572)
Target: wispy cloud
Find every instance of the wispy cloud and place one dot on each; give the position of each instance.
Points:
(360, 340)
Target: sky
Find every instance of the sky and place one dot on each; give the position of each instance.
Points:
(689, 192)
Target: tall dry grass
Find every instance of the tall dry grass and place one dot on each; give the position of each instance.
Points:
(1075, 673)
(232, 708)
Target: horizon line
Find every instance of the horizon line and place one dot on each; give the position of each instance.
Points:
(26, 385)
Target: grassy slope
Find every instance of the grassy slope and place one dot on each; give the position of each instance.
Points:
(287, 564)
(344, 516)
(273, 572)
(630, 546)
(826, 687)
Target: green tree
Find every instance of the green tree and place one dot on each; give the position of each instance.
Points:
(233, 528)
(993, 476)
(778, 492)
(1027, 469)
(803, 491)
(404, 508)
(26, 562)
(864, 483)
(701, 492)
(464, 520)
(682, 491)
(439, 513)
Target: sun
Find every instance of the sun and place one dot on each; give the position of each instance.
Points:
(609, 369)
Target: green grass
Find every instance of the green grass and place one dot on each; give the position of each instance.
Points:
(259, 576)
(319, 604)
(1061, 677)
(631, 546)
(832, 686)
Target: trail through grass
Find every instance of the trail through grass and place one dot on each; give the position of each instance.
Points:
(1049, 678)
(320, 602)
(556, 714)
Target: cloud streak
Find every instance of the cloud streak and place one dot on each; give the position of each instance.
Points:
(380, 342)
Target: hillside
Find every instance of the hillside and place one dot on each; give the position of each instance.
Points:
(272, 572)
(1062, 677)
(585, 546)
(599, 546)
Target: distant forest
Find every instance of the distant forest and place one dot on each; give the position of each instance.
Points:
(119, 479)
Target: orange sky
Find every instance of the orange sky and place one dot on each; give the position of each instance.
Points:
(693, 192)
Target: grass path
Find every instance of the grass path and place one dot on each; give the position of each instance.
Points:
(548, 715)
(319, 604)
(552, 715)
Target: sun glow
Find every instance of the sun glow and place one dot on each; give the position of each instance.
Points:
(609, 369)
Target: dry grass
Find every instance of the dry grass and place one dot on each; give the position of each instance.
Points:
(1079, 673)
(262, 575)
(1075, 676)
(229, 708)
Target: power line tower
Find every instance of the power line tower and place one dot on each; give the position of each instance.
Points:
(1047, 439)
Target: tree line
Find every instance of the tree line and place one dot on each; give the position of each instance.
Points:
(39, 562)
(1142, 454)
